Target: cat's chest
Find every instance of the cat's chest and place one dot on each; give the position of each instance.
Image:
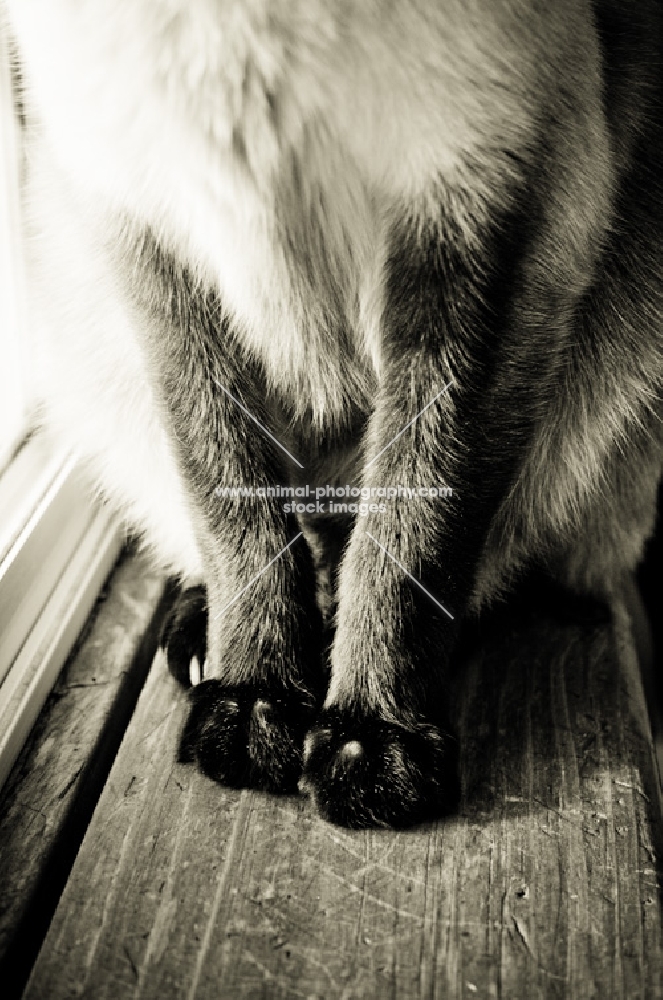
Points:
(300, 271)
(267, 147)
(306, 289)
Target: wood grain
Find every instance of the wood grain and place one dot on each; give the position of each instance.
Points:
(51, 793)
(544, 885)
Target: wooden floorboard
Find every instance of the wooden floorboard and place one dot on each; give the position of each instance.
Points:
(544, 885)
(53, 788)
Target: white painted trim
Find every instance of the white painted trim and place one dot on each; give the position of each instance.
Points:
(57, 626)
(52, 522)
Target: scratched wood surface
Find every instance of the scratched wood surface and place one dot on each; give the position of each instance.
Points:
(544, 885)
(51, 792)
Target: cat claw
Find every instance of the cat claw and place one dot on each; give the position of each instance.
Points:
(196, 672)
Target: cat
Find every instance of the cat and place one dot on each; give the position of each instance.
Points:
(373, 245)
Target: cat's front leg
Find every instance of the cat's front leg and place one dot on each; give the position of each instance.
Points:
(262, 678)
(383, 751)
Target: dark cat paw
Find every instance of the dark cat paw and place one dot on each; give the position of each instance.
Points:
(244, 738)
(366, 772)
(184, 635)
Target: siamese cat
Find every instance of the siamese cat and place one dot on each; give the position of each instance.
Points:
(370, 244)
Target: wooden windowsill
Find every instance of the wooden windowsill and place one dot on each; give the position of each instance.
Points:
(545, 885)
(52, 791)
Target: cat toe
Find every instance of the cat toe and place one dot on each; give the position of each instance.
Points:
(363, 771)
(245, 738)
(184, 636)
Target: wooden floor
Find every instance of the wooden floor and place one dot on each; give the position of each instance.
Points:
(544, 885)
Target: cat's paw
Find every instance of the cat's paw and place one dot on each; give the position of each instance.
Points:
(367, 772)
(184, 635)
(245, 738)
